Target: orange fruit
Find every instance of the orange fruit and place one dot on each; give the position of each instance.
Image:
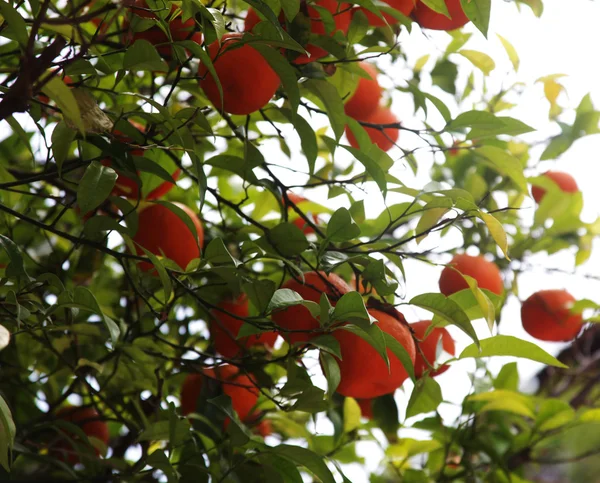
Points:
(365, 100)
(429, 346)
(487, 275)
(364, 373)
(384, 138)
(298, 317)
(430, 19)
(238, 70)
(565, 182)
(161, 230)
(546, 316)
(239, 387)
(225, 328)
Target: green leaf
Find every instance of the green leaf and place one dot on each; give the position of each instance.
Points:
(331, 369)
(503, 162)
(342, 227)
(95, 186)
(284, 297)
(62, 138)
(328, 343)
(60, 93)
(375, 169)
(284, 70)
(332, 102)
(260, 293)
(236, 430)
(401, 353)
(143, 56)
(507, 401)
(162, 431)
(304, 457)
(506, 345)
(497, 231)
(165, 280)
(13, 24)
(351, 415)
(16, 267)
(308, 139)
(511, 51)
(480, 60)
(508, 377)
(84, 298)
(287, 239)
(438, 6)
(426, 397)
(351, 308)
(216, 253)
(7, 432)
(478, 11)
(448, 310)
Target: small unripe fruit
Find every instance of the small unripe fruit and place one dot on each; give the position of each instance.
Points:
(487, 275)
(364, 373)
(565, 182)
(430, 19)
(298, 317)
(546, 316)
(429, 346)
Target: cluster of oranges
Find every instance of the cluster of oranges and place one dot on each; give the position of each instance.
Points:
(364, 375)
(230, 56)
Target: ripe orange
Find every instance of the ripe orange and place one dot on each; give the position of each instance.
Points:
(384, 138)
(429, 347)
(225, 328)
(405, 7)
(298, 317)
(546, 316)
(161, 230)
(342, 17)
(365, 100)
(430, 19)
(364, 374)
(299, 222)
(487, 275)
(90, 423)
(565, 183)
(239, 70)
(239, 387)
(178, 29)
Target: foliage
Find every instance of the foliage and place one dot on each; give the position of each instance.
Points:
(89, 103)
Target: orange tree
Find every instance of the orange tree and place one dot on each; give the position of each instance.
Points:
(176, 305)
